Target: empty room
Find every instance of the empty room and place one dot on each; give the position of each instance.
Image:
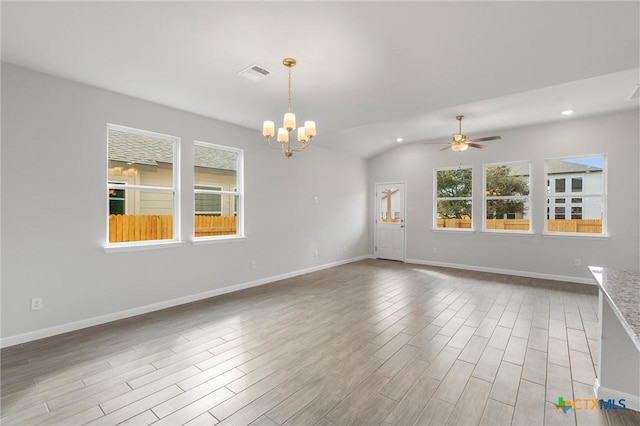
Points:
(320, 213)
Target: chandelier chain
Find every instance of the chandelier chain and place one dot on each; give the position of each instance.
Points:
(289, 98)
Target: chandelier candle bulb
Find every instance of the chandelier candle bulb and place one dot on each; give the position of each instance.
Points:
(283, 135)
(310, 128)
(289, 121)
(268, 129)
(302, 137)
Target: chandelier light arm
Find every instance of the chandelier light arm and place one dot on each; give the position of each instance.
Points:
(279, 146)
(301, 147)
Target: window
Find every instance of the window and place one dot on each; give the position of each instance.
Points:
(217, 191)
(209, 201)
(507, 196)
(576, 184)
(453, 198)
(584, 213)
(142, 173)
(576, 212)
(116, 199)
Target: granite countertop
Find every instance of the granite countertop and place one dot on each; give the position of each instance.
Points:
(622, 289)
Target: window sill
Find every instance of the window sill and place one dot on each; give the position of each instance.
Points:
(576, 236)
(140, 246)
(217, 240)
(511, 233)
(453, 230)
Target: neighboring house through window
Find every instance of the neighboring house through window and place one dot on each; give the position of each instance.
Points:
(217, 191)
(576, 202)
(142, 174)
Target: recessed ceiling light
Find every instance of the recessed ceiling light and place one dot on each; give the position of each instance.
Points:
(400, 140)
(567, 112)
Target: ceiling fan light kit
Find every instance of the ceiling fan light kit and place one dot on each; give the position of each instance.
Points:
(459, 146)
(305, 134)
(460, 142)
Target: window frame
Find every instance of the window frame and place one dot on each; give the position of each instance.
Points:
(582, 196)
(239, 193)
(436, 198)
(174, 190)
(528, 199)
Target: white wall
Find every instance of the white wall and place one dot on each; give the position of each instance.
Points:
(616, 135)
(54, 226)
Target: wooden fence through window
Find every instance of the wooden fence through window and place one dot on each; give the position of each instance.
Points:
(581, 226)
(208, 226)
(126, 228)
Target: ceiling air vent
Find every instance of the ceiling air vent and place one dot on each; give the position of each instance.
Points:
(636, 93)
(254, 72)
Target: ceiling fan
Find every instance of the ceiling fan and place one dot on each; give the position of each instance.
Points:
(460, 142)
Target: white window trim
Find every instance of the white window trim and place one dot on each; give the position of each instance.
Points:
(528, 199)
(436, 199)
(603, 195)
(141, 246)
(239, 236)
(147, 244)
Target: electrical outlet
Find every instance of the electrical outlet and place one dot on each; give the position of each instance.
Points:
(577, 262)
(253, 264)
(315, 253)
(435, 249)
(36, 303)
(315, 200)
(344, 249)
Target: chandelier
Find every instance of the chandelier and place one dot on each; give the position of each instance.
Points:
(305, 134)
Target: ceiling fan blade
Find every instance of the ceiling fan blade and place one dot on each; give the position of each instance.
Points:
(445, 148)
(436, 143)
(474, 145)
(488, 138)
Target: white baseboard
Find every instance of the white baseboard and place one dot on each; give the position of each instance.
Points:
(632, 402)
(504, 271)
(103, 319)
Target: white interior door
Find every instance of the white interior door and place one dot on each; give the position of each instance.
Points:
(390, 225)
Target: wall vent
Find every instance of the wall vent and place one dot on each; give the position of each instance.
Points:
(254, 72)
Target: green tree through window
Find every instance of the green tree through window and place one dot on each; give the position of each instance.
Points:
(504, 181)
(453, 192)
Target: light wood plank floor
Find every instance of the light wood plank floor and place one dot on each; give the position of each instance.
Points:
(372, 342)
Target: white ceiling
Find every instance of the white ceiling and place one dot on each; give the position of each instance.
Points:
(368, 72)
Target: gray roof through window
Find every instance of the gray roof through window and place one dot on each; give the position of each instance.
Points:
(562, 166)
(133, 148)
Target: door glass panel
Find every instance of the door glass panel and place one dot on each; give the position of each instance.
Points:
(390, 205)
